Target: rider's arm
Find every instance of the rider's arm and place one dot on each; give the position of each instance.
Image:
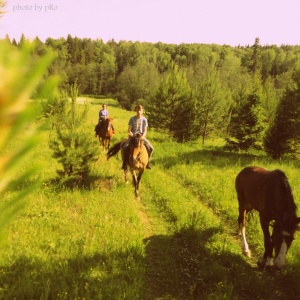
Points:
(129, 130)
(145, 132)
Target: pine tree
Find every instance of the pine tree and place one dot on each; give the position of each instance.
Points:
(283, 136)
(211, 106)
(172, 107)
(72, 146)
(247, 125)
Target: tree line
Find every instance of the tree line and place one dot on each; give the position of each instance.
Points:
(247, 94)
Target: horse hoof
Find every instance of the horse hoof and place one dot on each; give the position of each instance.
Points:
(261, 262)
(247, 253)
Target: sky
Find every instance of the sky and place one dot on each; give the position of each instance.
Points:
(230, 22)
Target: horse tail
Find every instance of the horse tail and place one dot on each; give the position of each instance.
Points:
(114, 150)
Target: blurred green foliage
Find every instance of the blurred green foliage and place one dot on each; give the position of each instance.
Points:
(19, 78)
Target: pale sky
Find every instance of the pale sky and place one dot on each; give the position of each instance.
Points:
(231, 22)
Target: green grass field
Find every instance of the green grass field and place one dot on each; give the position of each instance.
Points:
(179, 241)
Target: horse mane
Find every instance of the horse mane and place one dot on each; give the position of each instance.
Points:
(284, 194)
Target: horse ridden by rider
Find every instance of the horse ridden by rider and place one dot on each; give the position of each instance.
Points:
(104, 129)
(138, 124)
(105, 133)
(136, 149)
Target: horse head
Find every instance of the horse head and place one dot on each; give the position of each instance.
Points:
(137, 140)
(282, 238)
(136, 143)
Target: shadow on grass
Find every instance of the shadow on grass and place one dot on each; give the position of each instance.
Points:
(217, 158)
(183, 266)
(179, 266)
(99, 276)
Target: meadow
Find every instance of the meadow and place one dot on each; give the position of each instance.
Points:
(179, 241)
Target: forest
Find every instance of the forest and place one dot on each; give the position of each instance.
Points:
(248, 95)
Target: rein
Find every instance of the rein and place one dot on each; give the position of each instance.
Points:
(138, 156)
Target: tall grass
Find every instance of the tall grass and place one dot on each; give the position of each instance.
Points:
(179, 241)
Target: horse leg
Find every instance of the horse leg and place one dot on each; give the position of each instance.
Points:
(135, 183)
(242, 231)
(125, 174)
(139, 179)
(266, 260)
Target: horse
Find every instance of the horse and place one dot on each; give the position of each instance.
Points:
(136, 157)
(105, 132)
(269, 193)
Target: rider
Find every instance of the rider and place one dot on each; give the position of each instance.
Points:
(103, 115)
(138, 123)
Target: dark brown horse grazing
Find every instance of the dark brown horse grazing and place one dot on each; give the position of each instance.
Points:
(105, 133)
(270, 194)
(136, 158)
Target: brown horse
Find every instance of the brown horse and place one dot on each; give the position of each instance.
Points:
(270, 194)
(136, 157)
(105, 132)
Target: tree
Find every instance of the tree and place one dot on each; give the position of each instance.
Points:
(172, 107)
(269, 98)
(212, 103)
(246, 125)
(256, 65)
(72, 146)
(137, 82)
(283, 137)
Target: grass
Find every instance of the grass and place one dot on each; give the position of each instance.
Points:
(178, 242)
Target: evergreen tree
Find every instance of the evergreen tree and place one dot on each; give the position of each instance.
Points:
(212, 104)
(172, 107)
(269, 98)
(72, 146)
(283, 137)
(247, 125)
(256, 65)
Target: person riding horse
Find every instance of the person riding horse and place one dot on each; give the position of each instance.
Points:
(103, 115)
(137, 124)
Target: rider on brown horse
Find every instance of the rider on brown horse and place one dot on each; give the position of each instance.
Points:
(103, 115)
(137, 124)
